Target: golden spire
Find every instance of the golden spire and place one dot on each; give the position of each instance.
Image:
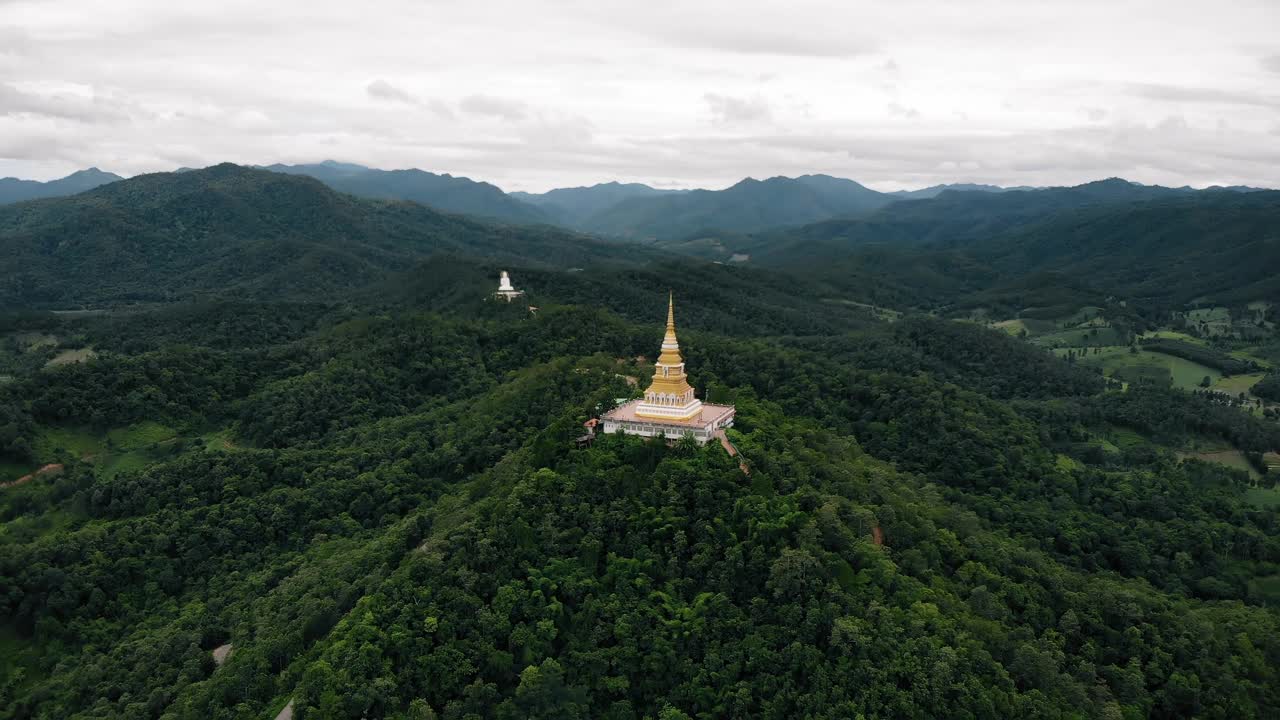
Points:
(669, 395)
(669, 341)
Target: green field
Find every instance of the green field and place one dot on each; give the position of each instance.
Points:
(59, 442)
(1015, 327)
(1237, 384)
(140, 435)
(122, 449)
(1172, 335)
(1079, 337)
(1209, 315)
(1263, 497)
(1232, 459)
(1116, 361)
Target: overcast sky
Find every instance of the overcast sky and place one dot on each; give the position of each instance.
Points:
(534, 95)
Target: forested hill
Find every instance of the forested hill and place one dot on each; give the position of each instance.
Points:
(952, 215)
(385, 515)
(748, 206)
(1222, 246)
(230, 230)
(13, 190)
(441, 192)
(573, 206)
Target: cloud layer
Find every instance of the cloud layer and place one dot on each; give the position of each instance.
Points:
(677, 94)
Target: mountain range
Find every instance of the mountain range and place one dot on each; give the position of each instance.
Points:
(231, 230)
(442, 192)
(13, 190)
(574, 206)
(712, 222)
(234, 230)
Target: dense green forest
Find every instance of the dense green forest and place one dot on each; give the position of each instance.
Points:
(353, 487)
(385, 516)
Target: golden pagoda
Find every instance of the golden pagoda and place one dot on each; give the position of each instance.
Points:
(669, 395)
(669, 407)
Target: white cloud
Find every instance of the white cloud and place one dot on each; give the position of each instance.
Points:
(727, 110)
(383, 90)
(531, 96)
(899, 110)
(489, 106)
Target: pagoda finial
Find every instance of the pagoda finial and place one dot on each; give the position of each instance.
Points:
(669, 341)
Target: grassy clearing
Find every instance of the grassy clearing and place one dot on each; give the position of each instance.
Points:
(1116, 361)
(1014, 327)
(32, 341)
(220, 440)
(1237, 384)
(1231, 458)
(30, 527)
(54, 442)
(1209, 315)
(1079, 337)
(1172, 335)
(67, 357)
(140, 435)
(1124, 438)
(1214, 321)
(1085, 314)
(1263, 497)
(1249, 355)
(113, 465)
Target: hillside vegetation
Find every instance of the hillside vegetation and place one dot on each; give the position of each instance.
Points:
(300, 429)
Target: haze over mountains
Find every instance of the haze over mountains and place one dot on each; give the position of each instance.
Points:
(631, 211)
(13, 190)
(231, 230)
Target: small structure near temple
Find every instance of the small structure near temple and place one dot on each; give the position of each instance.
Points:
(669, 407)
(505, 290)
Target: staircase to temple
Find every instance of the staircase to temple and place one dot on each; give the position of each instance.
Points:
(733, 451)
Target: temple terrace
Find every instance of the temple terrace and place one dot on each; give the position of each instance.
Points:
(669, 407)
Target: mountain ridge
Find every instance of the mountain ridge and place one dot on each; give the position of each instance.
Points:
(13, 190)
(444, 192)
(230, 229)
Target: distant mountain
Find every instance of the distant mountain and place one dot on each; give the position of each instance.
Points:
(442, 192)
(953, 216)
(13, 190)
(749, 206)
(572, 206)
(238, 231)
(1159, 246)
(936, 190)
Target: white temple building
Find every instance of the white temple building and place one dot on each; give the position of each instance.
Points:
(505, 290)
(669, 407)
